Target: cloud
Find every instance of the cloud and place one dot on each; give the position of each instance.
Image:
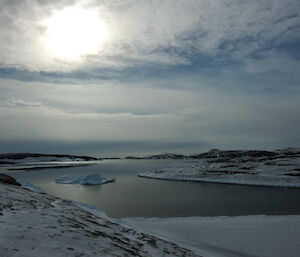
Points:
(158, 32)
(273, 61)
(19, 102)
(115, 113)
(211, 73)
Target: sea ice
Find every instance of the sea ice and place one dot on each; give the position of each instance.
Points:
(256, 235)
(92, 179)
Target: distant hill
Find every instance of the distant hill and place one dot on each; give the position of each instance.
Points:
(44, 157)
(216, 153)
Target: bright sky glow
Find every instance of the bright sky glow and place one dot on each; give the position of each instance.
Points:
(74, 32)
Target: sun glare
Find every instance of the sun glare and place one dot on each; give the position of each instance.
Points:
(74, 32)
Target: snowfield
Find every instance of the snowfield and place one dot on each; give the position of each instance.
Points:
(92, 179)
(280, 169)
(35, 225)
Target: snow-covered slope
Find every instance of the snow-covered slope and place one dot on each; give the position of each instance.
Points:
(237, 167)
(35, 225)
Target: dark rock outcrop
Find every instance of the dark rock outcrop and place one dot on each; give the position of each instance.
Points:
(8, 180)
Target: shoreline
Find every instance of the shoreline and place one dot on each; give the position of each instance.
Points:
(208, 180)
(37, 224)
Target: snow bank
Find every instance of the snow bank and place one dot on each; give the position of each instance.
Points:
(92, 179)
(237, 179)
(257, 235)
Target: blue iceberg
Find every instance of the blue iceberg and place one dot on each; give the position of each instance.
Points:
(92, 179)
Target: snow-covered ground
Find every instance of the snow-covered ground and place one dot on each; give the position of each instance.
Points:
(35, 225)
(92, 179)
(282, 171)
(263, 236)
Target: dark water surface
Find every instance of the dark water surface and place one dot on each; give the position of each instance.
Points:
(131, 196)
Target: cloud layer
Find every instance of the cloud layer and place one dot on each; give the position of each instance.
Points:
(163, 32)
(174, 73)
(121, 113)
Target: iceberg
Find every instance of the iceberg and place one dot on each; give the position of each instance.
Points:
(92, 179)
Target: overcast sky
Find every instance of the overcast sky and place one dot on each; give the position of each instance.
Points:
(171, 76)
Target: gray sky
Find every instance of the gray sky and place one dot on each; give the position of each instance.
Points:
(135, 76)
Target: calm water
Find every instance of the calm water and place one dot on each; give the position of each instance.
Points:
(131, 196)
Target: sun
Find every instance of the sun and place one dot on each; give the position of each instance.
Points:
(74, 32)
